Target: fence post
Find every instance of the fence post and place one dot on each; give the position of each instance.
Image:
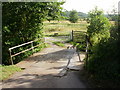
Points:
(72, 35)
(79, 56)
(11, 57)
(32, 47)
(86, 51)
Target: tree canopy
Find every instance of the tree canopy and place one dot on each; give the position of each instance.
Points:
(104, 58)
(99, 26)
(73, 16)
(22, 22)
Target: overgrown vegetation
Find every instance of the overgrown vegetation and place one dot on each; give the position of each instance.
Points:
(7, 71)
(104, 58)
(22, 22)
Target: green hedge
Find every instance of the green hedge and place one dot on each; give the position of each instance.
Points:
(104, 62)
(22, 22)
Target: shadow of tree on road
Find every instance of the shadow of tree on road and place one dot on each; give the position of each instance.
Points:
(38, 80)
(64, 54)
(72, 80)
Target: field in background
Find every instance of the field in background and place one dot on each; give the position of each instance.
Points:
(63, 27)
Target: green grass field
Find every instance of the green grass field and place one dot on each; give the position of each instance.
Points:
(63, 27)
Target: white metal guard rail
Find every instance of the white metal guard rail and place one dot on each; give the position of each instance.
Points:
(32, 47)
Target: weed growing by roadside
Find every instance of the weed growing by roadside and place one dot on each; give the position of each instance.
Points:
(59, 44)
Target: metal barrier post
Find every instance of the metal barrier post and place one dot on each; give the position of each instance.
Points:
(32, 47)
(86, 51)
(11, 57)
(72, 35)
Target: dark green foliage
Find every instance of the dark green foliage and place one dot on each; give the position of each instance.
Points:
(66, 14)
(22, 22)
(54, 11)
(104, 62)
(80, 46)
(73, 16)
(99, 26)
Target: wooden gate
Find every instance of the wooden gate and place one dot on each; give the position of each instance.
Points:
(78, 36)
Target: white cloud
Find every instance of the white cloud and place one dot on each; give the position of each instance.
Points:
(87, 5)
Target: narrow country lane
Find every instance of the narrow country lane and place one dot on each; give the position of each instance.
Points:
(47, 69)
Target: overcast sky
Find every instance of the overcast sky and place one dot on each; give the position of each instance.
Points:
(87, 5)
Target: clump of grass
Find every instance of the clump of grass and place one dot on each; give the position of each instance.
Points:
(59, 44)
(7, 71)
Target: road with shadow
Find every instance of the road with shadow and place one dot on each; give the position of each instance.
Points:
(43, 69)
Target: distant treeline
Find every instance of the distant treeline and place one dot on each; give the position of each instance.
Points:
(111, 17)
(80, 14)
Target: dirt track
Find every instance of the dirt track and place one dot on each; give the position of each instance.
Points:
(46, 69)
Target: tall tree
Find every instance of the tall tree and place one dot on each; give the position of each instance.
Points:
(104, 58)
(73, 16)
(22, 22)
(55, 11)
(99, 26)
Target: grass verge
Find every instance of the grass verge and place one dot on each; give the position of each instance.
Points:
(7, 71)
(59, 44)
